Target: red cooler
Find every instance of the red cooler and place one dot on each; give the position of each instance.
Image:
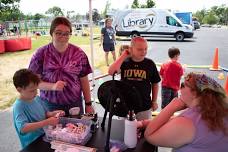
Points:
(18, 44)
(2, 46)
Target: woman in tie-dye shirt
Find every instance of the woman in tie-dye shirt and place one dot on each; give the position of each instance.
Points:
(63, 69)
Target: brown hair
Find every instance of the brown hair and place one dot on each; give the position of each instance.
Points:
(58, 21)
(173, 51)
(106, 20)
(212, 105)
(23, 77)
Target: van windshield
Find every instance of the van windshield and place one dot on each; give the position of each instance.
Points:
(172, 21)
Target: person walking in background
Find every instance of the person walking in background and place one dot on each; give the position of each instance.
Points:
(29, 113)
(171, 73)
(201, 127)
(141, 73)
(63, 69)
(108, 40)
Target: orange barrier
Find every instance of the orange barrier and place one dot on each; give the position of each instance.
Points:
(2, 46)
(226, 85)
(18, 44)
(215, 65)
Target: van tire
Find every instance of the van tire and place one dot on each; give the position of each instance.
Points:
(135, 34)
(179, 36)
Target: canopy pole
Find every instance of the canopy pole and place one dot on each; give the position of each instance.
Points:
(91, 46)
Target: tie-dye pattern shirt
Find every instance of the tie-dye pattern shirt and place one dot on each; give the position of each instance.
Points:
(68, 66)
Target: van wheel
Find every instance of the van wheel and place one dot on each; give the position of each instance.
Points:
(135, 34)
(179, 36)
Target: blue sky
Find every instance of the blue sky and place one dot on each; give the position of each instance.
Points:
(82, 6)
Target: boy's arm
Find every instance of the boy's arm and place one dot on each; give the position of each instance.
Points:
(154, 91)
(115, 67)
(28, 127)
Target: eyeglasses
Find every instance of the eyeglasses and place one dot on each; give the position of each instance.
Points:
(60, 33)
(182, 85)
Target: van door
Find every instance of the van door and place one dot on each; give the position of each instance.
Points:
(170, 27)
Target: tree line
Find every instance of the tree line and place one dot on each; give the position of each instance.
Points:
(214, 15)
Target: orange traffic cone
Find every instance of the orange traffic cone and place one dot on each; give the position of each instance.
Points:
(226, 85)
(215, 65)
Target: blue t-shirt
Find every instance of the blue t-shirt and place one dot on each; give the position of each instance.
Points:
(27, 112)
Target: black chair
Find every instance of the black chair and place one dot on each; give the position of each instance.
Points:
(117, 98)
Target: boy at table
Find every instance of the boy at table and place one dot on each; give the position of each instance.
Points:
(141, 73)
(29, 115)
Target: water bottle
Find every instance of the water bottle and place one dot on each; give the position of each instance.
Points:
(130, 130)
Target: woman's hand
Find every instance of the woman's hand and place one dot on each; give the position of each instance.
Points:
(58, 86)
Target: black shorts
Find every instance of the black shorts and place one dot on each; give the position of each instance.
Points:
(108, 47)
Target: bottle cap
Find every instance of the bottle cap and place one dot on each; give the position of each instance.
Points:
(131, 115)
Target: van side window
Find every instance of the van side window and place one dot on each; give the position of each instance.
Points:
(171, 21)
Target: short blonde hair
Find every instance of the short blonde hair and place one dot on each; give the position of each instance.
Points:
(122, 48)
(137, 39)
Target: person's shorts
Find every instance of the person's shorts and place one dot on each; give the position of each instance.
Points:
(108, 47)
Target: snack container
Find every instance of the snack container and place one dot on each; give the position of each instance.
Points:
(61, 133)
(74, 111)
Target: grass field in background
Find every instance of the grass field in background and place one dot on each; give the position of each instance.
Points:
(12, 61)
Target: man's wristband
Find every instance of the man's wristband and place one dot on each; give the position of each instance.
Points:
(88, 103)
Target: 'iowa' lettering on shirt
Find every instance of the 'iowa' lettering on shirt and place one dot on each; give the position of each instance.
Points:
(135, 74)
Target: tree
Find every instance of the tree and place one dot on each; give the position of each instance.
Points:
(10, 10)
(200, 15)
(226, 16)
(150, 3)
(77, 17)
(215, 15)
(211, 18)
(95, 16)
(135, 4)
(69, 12)
(220, 12)
(107, 7)
(55, 11)
(38, 16)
